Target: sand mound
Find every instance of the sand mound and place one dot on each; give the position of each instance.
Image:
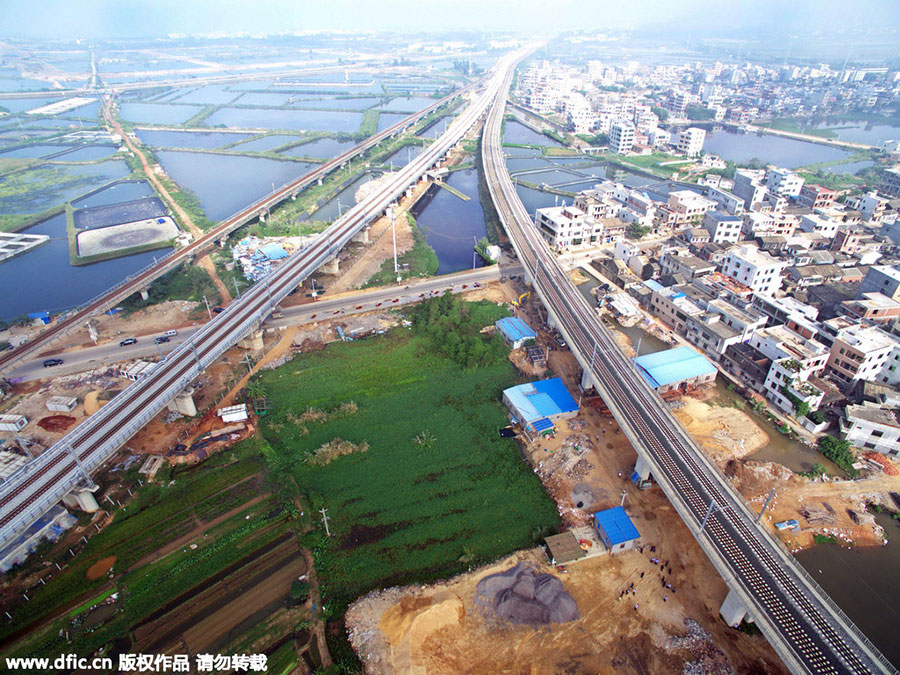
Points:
(56, 423)
(409, 623)
(521, 594)
(100, 568)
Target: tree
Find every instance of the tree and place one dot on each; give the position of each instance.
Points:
(700, 112)
(299, 590)
(838, 451)
(636, 230)
(661, 113)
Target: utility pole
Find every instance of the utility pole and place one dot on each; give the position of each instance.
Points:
(324, 513)
(765, 505)
(249, 363)
(474, 251)
(394, 236)
(236, 289)
(622, 503)
(208, 310)
(712, 507)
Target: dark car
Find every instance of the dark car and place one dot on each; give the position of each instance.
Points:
(52, 362)
(218, 310)
(161, 340)
(127, 341)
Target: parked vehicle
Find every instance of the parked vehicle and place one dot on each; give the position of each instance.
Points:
(171, 333)
(127, 341)
(218, 310)
(161, 340)
(52, 362)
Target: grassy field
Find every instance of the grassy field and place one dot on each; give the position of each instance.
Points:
(436, 491)
(421, 260)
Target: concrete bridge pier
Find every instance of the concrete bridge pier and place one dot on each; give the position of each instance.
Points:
(184, 403)
(587, 380)
(82, 498)
(319, 180)
(641, 471)
(331, 267)
(253, 341)
(361, 237)
(145, 294)
(733, 610)
(262, 217)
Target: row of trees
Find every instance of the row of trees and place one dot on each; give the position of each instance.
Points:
(454, 329)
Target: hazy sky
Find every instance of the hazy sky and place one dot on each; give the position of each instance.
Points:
(127, 18)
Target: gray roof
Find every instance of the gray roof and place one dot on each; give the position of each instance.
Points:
(876, 414)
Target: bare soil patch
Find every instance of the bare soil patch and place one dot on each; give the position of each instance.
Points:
(56, 423)
(100, 568)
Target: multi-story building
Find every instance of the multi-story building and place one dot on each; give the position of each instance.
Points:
(754, 268)
(870, 205)
(816, 196)
(821, 225)
(873, 426)
(847, 241)
(725, 201)
(566, 226)
(891, 182)
(873, 307)
(684, 208)
(881, 279)
(780, 342)
(722, 227)
(859, 353)
(769, 224)
(749, 186)
(690, 141)
(686, 264)
(621, 137)
(784, 182)
(672, 305)
(787, 384)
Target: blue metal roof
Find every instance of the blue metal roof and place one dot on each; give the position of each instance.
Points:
(542, 424)
(653, 285)
(273, 251)
(533, 400)
(672, 365)
(514, 329)
(616, 525)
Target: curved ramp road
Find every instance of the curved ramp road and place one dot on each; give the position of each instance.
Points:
(146, 276)
(804, 626)
(29, 492)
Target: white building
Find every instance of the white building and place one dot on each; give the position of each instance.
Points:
(722, 228)
(784, 182)
(873, 426)
(690, 141)
(860, 353)
(754, 268)
(787, 383)
(621, 137)
(819, 224)
(567, 226)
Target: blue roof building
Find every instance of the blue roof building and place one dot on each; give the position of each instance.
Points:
(515, 331)
(536, 405)
(616, 529)
(273, 251)
(678, 368)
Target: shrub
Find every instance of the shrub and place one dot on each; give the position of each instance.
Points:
(838, 451)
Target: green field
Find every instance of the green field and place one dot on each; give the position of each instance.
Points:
(419, 261)
(437, 491)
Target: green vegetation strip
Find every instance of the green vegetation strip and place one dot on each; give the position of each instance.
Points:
(90, 603)
(419, 261)
(437, 491)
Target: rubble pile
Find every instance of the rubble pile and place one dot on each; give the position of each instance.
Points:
(523, 595)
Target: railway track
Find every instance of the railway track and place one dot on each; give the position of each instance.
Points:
(804, 626)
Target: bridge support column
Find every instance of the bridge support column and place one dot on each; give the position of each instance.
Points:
(319, 180)
(361, 237)
(587, 380)
(252, 342)
(184, 403)
(331, 267)
(145, 295)
(81, 498)
(641, 471)
(733, 610)
(262, 217)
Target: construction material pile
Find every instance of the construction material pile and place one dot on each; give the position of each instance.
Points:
(521, 594)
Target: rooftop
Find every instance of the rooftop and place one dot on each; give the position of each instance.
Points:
(616, 524)
(867, 338)
(874, 413)
(545, 398)
(672, 365)
(514, 329)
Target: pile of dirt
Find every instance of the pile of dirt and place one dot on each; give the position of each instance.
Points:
(56, 423)
(408, 624)
(334, 449)
(100, 568)
(523, 595)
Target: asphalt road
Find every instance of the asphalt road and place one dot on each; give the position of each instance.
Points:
(103, 355)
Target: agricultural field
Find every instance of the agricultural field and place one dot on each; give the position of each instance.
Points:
(398, 441)
(158, 565)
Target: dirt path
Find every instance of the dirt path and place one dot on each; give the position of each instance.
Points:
(276, 351)
(170, 201)
(193, 534)
(381, 246)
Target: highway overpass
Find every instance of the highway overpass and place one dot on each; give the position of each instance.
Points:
(143, 278)
(809, 632)
(69, 463)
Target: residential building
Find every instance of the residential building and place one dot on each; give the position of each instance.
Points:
(873, 426)
(690, 141)
(684, 208)
(768, 224)
(725, 201)
(621, 137)
(566, 226)
(754, 268)
(709, 332)
(881, 279)
(873, 307)
(722, 227)
(787, 384)
(860, 354)
(870, 205)
(675, 262)
(747, 363)
(672, 305)
(847, 241)
(779, 342)
(816, 196)
(784, 182)
(820, 225)
(749, 186)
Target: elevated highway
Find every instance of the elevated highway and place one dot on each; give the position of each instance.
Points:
(809, 632)
(145, 277)
(69, 463)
